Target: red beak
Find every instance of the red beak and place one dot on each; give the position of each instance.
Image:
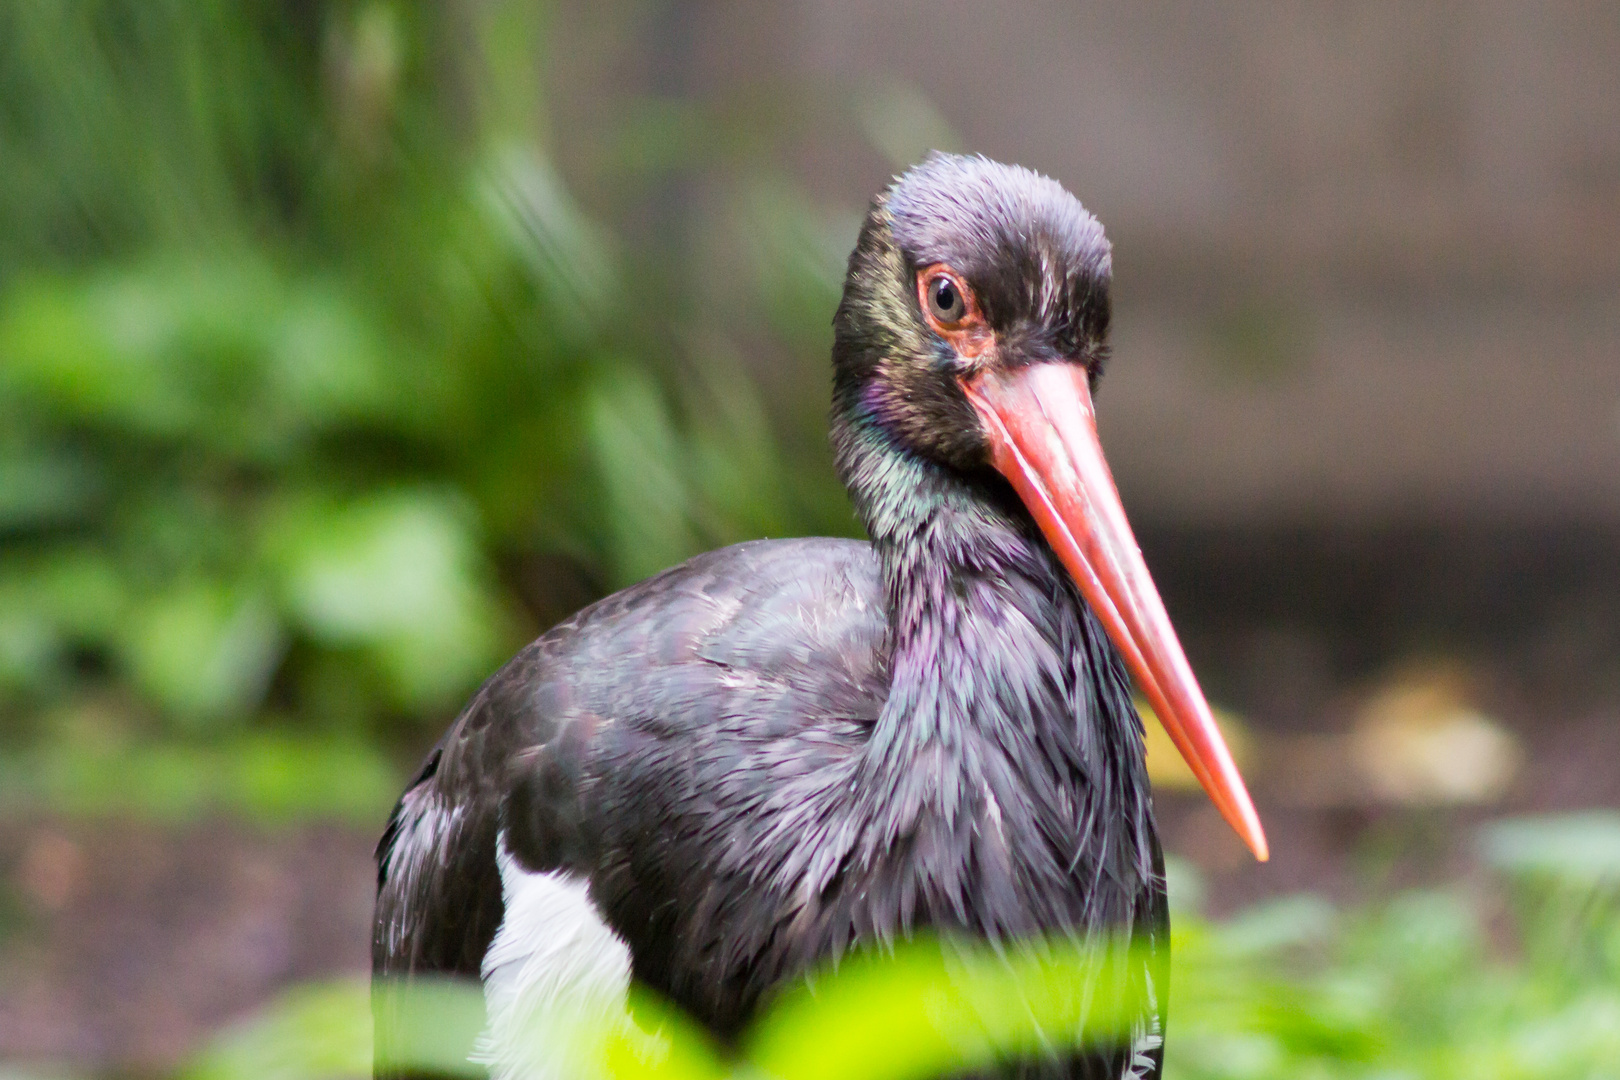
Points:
(1042, 432)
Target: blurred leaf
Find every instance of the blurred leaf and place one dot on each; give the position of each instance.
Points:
(661, 1042)
(79, 589)
(316, 1032)
(799, 258)
(1572, 847)
(1429, 933)
(638, 455)
(168, 351)
(51, 602)
(1184, 884)
(928, 1007)
(275, 777)
(546, 229)
(944, 1007)
(29, 647)
(733, 453)
(430, 1023)
(205, 651)
(1581, 1037)
(40, 487)
(1278, 924)
(399, 574)
(266, 777)
(327, 362)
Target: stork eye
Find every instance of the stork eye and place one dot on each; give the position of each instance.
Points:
(945, 300)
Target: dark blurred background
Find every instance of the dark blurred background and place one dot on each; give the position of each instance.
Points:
(345, 345)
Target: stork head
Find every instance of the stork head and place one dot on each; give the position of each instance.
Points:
(973, 328)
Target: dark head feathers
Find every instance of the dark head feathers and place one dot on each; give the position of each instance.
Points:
(1027, 246)
(1036, 261)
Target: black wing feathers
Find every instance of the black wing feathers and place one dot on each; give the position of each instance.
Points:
(691, 745)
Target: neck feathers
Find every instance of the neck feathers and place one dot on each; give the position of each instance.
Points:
(1009, 722)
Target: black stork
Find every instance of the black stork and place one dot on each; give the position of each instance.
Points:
(742, 767)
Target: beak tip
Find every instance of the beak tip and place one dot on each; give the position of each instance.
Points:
(1245, 821)
(1254, 835)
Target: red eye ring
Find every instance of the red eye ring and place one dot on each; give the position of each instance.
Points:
(952, 311)
(945, 299)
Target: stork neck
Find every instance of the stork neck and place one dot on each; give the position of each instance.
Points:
(984, 625)
(1007, 703)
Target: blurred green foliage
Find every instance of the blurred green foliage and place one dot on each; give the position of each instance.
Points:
(319, 392)
(1445, 984)
(1431, 985)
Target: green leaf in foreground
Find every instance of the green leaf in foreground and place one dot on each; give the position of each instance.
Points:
(941, 1007)
(930, 1008)
(1410, 987)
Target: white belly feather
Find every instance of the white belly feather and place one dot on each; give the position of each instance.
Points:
(555, 974)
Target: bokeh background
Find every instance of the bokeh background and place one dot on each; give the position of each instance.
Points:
(346, 344)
